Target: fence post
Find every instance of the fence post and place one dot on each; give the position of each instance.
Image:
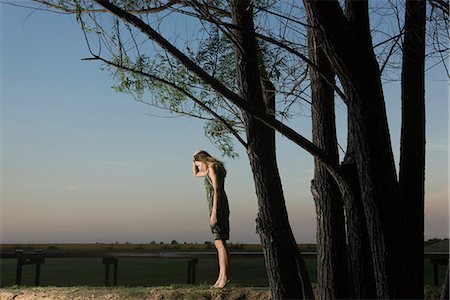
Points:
(107, 261)
(115, 271)
(445, 287)
(22, 260)
(191, 270)
(37, 274)
(435, 273)
(19, 270)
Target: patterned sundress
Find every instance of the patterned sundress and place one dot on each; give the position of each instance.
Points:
(220, 230)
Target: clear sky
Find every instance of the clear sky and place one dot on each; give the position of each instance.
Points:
(81, 163)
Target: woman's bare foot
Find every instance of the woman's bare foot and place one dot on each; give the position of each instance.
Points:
(214, 286)
(221, 284)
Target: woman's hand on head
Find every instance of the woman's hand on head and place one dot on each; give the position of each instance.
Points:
(199, 169)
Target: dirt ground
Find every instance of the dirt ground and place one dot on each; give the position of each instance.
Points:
(159, 293)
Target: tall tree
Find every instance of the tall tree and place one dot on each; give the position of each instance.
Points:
(333, 275)
(412, 148)
(287, 274)
(347, 43)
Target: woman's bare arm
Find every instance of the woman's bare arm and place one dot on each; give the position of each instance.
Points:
(197, 172)
(217, 189)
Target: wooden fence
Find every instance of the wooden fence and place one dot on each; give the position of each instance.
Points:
(38, 258)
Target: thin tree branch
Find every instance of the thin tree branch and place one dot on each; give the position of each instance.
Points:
(441, 4)
(283, 16)
(75, 10)
(391, 51)
(227, 93)
(306, 59)
(395, 37)
(173, 85)
(204, 14)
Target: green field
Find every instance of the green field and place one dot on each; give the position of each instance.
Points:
(148, 271)
(134, 272)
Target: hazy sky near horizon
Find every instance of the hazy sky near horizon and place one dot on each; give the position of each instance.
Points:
(81, 163)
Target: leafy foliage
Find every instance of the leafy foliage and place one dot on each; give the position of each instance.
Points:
(218, 134)
(200, 29)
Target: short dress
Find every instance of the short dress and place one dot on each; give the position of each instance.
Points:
(220, 230)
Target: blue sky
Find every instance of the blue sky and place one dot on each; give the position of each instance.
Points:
(81, 163)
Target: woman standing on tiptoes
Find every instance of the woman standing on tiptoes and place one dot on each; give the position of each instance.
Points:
(205, 165)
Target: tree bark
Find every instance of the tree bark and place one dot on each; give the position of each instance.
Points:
(287, 275)
(333, 277)
(359, 251)
(412, 147)
(350, 52)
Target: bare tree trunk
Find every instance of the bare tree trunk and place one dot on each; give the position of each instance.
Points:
(412, 148)
(333, 277)
(359, 251)
(350, 52)
(359, 284)
(287, 275)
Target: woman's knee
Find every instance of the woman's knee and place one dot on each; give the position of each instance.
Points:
(219, 244)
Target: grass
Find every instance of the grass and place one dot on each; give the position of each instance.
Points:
(151, 272)
(134, 272)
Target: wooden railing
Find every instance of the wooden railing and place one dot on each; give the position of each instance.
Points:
(38, 257)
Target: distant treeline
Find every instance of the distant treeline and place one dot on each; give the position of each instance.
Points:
(435, 241)
(149, 247)
(153, 246)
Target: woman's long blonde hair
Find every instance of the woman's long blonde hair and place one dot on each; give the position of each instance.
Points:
(204, 157)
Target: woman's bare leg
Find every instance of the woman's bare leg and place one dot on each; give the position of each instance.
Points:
(222, 253)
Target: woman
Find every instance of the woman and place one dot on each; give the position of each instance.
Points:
(205, 165)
